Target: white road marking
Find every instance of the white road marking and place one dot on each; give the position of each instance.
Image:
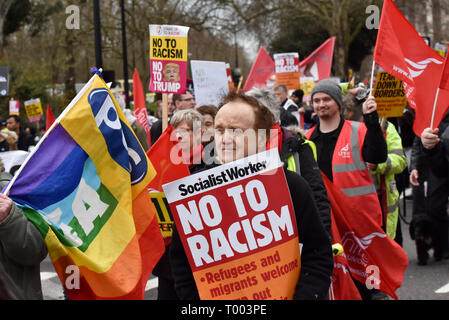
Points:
(443, 289)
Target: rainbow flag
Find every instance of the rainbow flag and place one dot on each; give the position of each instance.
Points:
(85, 190)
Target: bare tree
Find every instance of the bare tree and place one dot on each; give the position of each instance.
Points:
(4, 8)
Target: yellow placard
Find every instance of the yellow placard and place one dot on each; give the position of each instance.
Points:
(390, 96)
(168, 48)
(34, 110)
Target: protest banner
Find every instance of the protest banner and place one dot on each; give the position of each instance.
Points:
(241, 240)
(210, 81)
(229, 74)
(287, 69)
(168, 58)
(14, 107)
(390, 95)
(13, 158)
(34, 110)
(307, 84)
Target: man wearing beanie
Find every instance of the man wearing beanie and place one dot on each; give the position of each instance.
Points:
(343, 148)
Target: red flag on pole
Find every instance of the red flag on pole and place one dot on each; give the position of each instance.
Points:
(403, 53)
(167, 169)
(261, 71)
(342, 286)
(140, 109)
(373, 258)
(319, 63)
(49, 118)
(444, 82)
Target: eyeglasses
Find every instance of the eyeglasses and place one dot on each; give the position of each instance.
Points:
(188, 99)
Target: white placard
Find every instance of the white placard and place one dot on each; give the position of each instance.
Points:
(210, 81)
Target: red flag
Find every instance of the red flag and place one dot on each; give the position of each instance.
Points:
(403, 53)
(342, 286)
(140, 109)
(373, 258)
(49, 118)
(319, 63)
(167, 170)
(444, 83)
(261, 71)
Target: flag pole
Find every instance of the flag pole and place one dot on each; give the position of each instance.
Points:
(372, 77)
(62, 115)
(434, 107)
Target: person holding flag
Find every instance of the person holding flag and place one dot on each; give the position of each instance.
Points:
(343, 148)
(84, 189)
(22, 249)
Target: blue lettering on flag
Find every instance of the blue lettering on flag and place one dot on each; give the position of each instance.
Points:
(122, 144)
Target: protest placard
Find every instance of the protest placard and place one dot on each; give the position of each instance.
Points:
(307, 84)
(390, 95)
(34, 110)
(210, 81)
(14, 107)
(287, 69)
(239, 233)
(168, 58)
(229, 74)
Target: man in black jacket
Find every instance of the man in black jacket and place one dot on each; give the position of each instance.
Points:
(239, 111)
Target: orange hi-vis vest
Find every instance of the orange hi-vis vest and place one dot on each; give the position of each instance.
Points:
(349, 171)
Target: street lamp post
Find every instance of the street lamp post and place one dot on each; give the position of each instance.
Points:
(125, 53)
(97, 30)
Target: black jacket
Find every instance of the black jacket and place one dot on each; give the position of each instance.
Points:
(316, 255)
(435, 160)
(310, 171)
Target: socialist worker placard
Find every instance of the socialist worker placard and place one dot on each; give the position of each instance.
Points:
(168, 58)
(238, 231)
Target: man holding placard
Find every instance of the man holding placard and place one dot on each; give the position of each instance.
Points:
(235, 240)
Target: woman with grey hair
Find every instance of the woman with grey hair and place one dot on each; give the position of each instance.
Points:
(267, 98)
(188, 128)
(298, 154)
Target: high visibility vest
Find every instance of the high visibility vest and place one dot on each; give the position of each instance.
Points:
(293, 160)
(349, 171)
(395, 164)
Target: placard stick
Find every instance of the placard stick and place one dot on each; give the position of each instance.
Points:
(164, 111)
(240, 84)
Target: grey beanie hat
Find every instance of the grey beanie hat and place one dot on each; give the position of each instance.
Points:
(331, 88)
